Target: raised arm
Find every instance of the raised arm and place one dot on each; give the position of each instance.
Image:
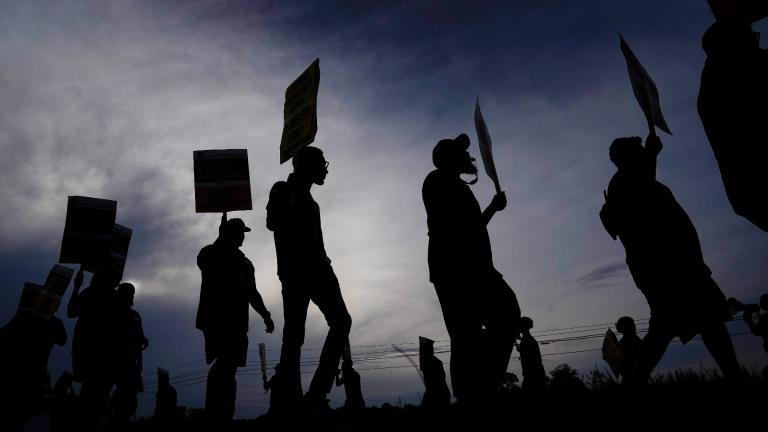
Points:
(653, 147)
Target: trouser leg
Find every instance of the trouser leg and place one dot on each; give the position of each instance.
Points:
(295, 303)
(503, 316)
(327, 296)
(654, 346)
(221, 390)
(465, 330)
(718, 342)
(94, 393)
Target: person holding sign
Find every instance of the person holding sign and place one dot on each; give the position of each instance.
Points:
(26, 341)
(93, 343)
(481, 311)
(228, 287)
(306, 275)
(629, 344)
(534, 376)
(665, 259)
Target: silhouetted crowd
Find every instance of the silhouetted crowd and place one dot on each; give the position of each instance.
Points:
(481, 312)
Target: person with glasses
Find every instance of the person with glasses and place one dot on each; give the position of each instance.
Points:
(306, 275)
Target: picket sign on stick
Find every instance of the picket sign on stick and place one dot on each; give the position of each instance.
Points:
(486, 146)
(645, 90)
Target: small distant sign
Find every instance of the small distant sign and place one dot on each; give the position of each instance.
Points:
(300, 112)
(222, 181)
(612, 352)
(88, 231)
(30, 294)
(645, 90)
(263, 357)
(745, 11)
(58, 279)
(346, 353)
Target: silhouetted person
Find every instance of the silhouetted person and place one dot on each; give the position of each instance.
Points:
(732, 106)
(534, 375)
(350, 379)
(93, 343)
(27, 341)
(228, 287)
(306, 275)
(129, 345)
(665, 260)
(165, 398)
(472, 293)
(436, 392)
(629, 345)
(759, 328)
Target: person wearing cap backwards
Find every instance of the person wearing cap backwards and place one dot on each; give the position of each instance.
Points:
(306, 274)
(481, 311)
(228, 287)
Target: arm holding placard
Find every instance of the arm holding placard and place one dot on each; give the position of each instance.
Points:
(498, 203)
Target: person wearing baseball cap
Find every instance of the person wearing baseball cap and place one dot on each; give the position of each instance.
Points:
(228, 287)
(477, 303)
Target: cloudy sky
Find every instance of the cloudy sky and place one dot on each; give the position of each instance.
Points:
(110, 99)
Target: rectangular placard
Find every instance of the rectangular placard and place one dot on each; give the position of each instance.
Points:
(300, 112)
(222, 181)
(88, 231)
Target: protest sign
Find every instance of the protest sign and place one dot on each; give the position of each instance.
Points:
(611, 352)
(88, 231)
(222, 181)
(300, 112)
(486, 147)
(58, 279)
(30, 295)
(263, 357)
(645, 90)
(118, 251)
(346, 353)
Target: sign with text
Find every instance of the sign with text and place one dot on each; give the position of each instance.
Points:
(744, 11)
(300, 112)
(486, 146)
(645, 90)
(88, 231)
(222, 181)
